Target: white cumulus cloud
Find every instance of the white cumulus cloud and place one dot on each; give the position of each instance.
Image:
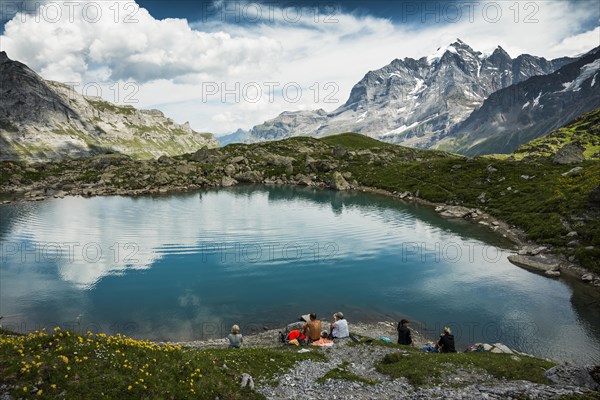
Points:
(172, 60)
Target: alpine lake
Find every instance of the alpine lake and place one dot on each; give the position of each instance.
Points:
(187, 266)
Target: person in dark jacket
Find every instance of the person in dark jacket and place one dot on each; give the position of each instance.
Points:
(404, 336)
(446, 342)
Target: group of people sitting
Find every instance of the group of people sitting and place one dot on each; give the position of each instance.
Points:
(338, 329)
(309, 331)
(445, 343)
(312, 332)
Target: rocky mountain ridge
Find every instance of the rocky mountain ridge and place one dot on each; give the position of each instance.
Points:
(412, 102)
(529, 109)
(42, 119)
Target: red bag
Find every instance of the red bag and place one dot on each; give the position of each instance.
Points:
(296, 334)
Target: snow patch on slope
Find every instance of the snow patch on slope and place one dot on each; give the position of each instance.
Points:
(418, 87)
(362, 117)
(586, 72)
(536, 101)
(439, 53)
(402, 128)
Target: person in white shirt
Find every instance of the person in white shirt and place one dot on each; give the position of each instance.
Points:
(339, 327)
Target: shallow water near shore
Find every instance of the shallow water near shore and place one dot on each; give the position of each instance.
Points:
(187, 266)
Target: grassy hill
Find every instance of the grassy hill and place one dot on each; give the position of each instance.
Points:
(583, 131)
(354, 141)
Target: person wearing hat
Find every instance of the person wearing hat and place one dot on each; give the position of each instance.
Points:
(339, 326)
(404, 336)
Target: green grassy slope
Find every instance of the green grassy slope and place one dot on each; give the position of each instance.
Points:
(73, 366)
(354, 141)
(584, 131)
(64, 364)
(423, 369)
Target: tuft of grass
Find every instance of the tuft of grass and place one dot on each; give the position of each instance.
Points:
(92, 366)
(422, 368)
(342, 372)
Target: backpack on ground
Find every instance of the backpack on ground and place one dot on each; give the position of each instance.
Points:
(292, 331)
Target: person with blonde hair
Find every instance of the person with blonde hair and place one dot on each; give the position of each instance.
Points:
(235, 338)
(446, 342)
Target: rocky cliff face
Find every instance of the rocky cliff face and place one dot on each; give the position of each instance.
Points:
(529, 109)
(414, 102)
(42, 119)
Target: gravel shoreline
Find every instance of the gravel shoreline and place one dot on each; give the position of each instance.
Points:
(302, 381)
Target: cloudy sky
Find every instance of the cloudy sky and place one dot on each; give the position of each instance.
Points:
(223, 65)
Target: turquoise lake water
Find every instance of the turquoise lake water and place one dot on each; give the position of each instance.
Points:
(188, 266)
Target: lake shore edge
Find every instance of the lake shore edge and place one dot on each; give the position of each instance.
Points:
(529, 255)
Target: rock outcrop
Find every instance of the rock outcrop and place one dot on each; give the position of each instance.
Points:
(541, 262)
(206, 155)
(454, 211)
(580, 376)
(569, 154)
(42, 120)
(338, 182)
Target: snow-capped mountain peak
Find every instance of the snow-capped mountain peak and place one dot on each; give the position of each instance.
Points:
(416, 102)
